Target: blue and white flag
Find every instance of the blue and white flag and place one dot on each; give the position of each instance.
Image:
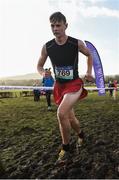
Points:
(98, 69)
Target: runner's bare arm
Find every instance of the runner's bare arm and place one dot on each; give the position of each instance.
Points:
(42, 60)
(84, 50)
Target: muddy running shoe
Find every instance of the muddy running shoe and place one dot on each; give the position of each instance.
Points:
(63, 157)
(80, 139)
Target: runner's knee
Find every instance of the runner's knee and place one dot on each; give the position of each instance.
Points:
(61, 114)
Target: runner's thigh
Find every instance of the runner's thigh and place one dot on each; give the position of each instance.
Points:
(69, 100)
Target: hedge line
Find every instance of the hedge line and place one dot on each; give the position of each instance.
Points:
(9, 94)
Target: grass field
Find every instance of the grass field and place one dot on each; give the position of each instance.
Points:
(30, 139)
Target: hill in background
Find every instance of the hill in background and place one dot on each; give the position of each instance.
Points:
(21, 80)
(23, 77)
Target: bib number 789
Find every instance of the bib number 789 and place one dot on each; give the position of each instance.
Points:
(63, 73)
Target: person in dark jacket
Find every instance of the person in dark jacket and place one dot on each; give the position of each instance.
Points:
(111, 85)
(36, 92)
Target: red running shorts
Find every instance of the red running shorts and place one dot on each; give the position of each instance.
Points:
(60, 89)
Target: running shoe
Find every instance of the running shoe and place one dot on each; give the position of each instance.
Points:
(63, 157)
(80, 139)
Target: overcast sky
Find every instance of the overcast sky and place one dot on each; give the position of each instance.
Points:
(25, 27)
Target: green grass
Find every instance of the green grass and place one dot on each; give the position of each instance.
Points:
(29, 134)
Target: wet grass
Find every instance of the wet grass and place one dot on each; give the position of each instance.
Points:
(30, 139)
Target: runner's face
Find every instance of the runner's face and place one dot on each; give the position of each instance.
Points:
(58, 28)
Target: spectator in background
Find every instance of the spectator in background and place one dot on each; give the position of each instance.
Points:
(111, 85)
(48, 81)
(36, 92)
(115, 84)
(115, 88)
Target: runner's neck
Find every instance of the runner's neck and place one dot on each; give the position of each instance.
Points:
(61, 40)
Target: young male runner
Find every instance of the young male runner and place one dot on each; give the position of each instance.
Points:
(68, 89)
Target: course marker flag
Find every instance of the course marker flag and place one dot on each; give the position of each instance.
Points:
(98, 69)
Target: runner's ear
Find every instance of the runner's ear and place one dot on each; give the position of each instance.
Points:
(66, 25)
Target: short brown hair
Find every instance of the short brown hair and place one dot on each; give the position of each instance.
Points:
(57, 16)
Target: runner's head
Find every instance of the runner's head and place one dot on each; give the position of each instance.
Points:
(57, 17)
(58, 24)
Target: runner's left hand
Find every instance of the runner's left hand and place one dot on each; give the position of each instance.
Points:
(89, 78)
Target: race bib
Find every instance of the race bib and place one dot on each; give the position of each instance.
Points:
(65, 72)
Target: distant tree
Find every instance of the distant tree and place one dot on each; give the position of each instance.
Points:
(111, 78)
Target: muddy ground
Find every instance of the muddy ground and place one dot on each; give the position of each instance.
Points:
(30, 140)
